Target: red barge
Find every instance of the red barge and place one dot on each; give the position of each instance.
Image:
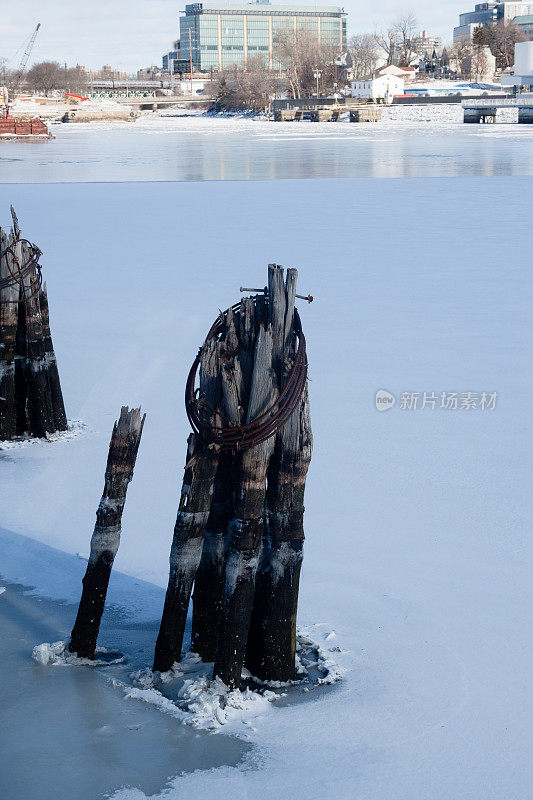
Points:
(30, 129)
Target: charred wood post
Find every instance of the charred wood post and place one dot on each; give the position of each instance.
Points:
(246, 528)
(271, 646)
(193, 513)
(56, 395)
(31, 401)
(105, 540)
(210, 576)
(40, 415)
(236, 362)
(9, 296)
(241, 543)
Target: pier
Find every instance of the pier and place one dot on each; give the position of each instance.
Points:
(313, 112)
(484, 110)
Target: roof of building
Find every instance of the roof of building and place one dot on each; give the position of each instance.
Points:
(263, 8)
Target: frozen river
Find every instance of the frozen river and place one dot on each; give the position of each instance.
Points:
(81, 736)
(409, 142)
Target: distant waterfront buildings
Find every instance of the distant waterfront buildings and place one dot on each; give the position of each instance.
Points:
(215, 36)
(489, 14)
(424, 44)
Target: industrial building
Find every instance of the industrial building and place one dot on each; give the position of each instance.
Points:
(215, 36)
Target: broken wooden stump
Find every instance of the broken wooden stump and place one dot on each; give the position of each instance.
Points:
(105, 540)
(193, 514)
(31, 401)
(248, 538)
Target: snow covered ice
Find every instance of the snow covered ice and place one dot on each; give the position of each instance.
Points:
(416, 564)
(410, 141)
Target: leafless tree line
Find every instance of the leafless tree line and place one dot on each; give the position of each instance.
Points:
(306, 65)
(466, 57)
(47, 77)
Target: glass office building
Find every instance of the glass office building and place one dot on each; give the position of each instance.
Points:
(223, 35)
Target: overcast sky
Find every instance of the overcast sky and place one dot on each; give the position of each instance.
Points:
(129, 34)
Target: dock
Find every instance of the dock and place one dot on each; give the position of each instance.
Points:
(329, 113)
(483, 110)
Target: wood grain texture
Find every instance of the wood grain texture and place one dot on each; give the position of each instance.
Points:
(105, 540)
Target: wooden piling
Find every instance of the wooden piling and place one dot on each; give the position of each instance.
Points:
(239, 535)
(246, 528)
(105, 540)
(56, 394)
(193, 513)
(236, 364)
(31, 400)
(8, 332)
(271, 645)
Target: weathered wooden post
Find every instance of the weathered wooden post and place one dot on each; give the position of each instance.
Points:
(247, 511)
(31, 400)
(105, 540)
(210, 576)
(58, 405)
(193, 513)
(271, 646)
(9, 296)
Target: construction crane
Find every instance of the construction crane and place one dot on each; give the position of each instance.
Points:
(15, 81)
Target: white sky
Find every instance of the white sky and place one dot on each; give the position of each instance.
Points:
(129, 34)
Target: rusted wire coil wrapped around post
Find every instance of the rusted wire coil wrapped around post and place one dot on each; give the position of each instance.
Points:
(241, 437)
(19, 272)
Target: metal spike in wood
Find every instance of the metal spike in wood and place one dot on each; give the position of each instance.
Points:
(105, 540)
(193, 513)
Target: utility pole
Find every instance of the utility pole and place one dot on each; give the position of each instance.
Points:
(190, 59)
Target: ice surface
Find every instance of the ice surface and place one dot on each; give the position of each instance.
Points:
(68, 732)
(409, 141)
(417, 551)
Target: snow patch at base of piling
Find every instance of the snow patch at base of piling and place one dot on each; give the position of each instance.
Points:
(189, 693)
(75, 428)
(56, 654)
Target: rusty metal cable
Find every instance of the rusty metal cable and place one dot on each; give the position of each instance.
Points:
(241, 437)
(30, 268)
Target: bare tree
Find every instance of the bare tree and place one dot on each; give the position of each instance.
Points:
(50, 76)
(460, 57)
(388, 44)
(479, 69)
(303, 57)
(396, 41)
(404, 30)
(45, 77)
(365, 54)
(236, 89)
(505, 36)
